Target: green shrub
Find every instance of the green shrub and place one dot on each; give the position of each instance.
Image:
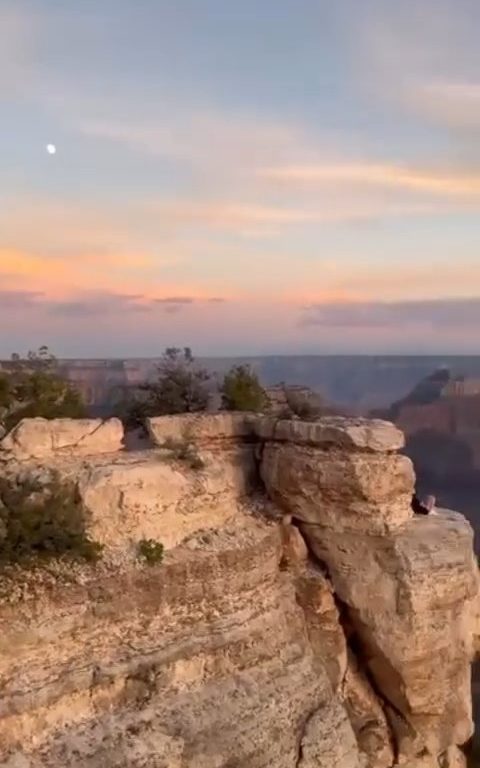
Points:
(34, 387)
(150, 551)
(242, 391)
(183, 450)
(180, 387)
(43, 520)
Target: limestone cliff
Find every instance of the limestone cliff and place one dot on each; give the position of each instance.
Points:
(300, 616)
(441, 421)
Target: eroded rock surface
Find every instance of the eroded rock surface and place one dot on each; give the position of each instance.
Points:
(42, 438)
(408, 584)
(316, 624)
(199, 429)
(362, 434)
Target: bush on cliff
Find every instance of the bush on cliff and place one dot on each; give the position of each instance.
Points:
(150, 551)
(185, 451)
(181, 387)
(43, 520)
(32, 387)
(242, 391)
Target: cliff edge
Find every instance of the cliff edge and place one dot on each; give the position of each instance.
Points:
(299, 616)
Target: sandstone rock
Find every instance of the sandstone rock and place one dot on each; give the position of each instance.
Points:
(341, 490)
(200, 428)
(295, 552)
(207, 663)
(41, 438)
(409, 598)
(476, 626)
(149, 494)
(327, 639)
(409, 585)
(233, 651)
(329, 741)
(346, 433)
(367, 717)
(453, 758)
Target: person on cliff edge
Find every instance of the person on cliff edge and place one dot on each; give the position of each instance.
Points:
(425, 507)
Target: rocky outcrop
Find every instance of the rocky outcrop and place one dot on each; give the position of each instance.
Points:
(195, 427)
(42, 438)
(441, 420)
(407, 585)
(300, 616)
(373, 435)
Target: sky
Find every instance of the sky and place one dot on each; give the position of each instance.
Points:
(243, 177)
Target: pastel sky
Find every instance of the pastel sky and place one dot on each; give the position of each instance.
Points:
(242, 176)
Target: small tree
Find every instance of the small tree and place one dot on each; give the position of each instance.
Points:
(33, 387)
(181, 387)
(242, 391)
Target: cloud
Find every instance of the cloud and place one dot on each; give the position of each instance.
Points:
(239, 218)
(186, 134)
(174, 304)
(377, 175)
(422, 58)
(453, 104)
(100, 305)
(321, 205)
(175, 300)
(18, 35)
(429, 314)
(107, 235)
(250, 153)
(13, 299)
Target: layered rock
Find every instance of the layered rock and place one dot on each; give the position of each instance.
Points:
(201, 430)
(322, 626)
(203, 660)
(42, 438)
(407, 585)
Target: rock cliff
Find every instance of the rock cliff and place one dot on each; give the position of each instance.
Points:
(441, 421)
(300, 617)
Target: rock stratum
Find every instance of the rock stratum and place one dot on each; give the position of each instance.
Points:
(300, 618)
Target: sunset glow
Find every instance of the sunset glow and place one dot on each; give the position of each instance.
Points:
(240, 177)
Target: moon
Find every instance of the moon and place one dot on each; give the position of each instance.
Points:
(51, 149)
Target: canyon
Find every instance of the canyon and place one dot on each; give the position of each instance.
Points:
(300, 617)
(359, 382)
(440, 417)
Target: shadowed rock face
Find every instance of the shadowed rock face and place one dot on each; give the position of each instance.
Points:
(301, 616)
(441, 420)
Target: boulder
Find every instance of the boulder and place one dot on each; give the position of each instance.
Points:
(367, 717)
(329, 741)
(202, 428)
(329, 645)
(41, 438)
(295, 552)
(372, 435)
(411, 600)
(343, 490)
(407, 586)
(324, 626)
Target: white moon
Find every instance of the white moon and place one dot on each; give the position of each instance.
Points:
(51, 149)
